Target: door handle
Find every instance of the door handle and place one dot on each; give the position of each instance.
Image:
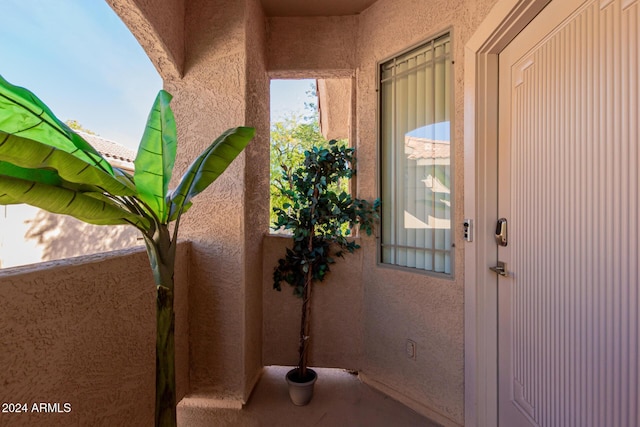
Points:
(501, 269)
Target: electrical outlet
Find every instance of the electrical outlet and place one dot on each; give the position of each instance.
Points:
(411, 349)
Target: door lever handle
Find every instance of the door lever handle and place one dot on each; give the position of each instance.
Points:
(500, 269)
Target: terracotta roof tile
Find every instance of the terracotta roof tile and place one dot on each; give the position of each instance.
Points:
(111, 150)
(428, 142)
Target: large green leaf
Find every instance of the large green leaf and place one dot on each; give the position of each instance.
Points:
(31, 154)
(156, 156)
(44, 176)
(94, 209)
(209, 166)
(22, 113)
(176, 213)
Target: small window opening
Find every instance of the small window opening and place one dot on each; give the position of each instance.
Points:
(304, 113)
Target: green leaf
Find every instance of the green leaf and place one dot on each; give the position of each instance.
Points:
(210, 165)
(176, 214)
(23, 114)
(156, 156)
(30, 154)
(125, 178)
(91, 208)
(44, 176)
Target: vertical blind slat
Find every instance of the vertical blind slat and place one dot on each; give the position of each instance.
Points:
(415, 102)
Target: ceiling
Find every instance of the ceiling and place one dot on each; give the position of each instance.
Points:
(314, 7)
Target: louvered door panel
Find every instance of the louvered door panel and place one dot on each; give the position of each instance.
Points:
(569, 350)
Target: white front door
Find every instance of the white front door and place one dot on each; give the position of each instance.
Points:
(568, 310)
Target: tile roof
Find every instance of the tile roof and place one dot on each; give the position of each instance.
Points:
(422, 148)
(428, 142)
(116, 154)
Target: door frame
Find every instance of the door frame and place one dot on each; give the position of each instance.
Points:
(505, 20)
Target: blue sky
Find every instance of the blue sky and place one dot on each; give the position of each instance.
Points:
(288, 98)
(84, 63)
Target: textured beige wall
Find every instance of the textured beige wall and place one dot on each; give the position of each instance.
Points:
(401, 305)
(336, 326)
(218, 50)
(322, 46)
(224, 85)
(335, 105)
(256, 215)
(207, 101)
(82, 331)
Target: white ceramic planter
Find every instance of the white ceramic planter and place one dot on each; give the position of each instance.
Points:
(300, 392)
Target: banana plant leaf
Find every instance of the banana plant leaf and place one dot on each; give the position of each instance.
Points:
(93, 208)
(209, 166)
(6, 200)
(156, 156)
(44, 176)
(31, 154)
(176, 213)
(22, 113)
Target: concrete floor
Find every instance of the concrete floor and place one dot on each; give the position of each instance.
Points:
(340, 400)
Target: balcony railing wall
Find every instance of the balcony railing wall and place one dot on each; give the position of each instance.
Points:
(77, 340)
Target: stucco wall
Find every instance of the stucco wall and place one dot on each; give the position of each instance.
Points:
(335, 105)
(401, 305)
(82, 331)
(256, 215)
(211, 57)
(322, 46)
(224, 85)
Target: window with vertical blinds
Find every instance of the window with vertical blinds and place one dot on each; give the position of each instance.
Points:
(416, 179)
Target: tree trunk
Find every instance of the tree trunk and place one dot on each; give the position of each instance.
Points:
(161, 253)
(305, 322)
(305, 327)
(165, 359)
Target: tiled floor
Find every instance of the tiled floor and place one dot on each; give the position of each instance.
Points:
(340, 400)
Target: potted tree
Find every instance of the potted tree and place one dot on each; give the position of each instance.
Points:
(320, 214)
(46, 164)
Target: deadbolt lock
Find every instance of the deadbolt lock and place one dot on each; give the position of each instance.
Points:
(501, 232)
